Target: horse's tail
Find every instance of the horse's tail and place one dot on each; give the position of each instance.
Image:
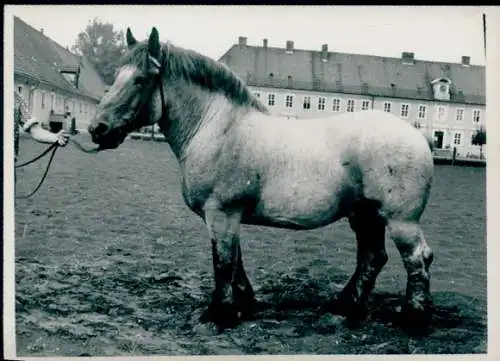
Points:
(430, 141)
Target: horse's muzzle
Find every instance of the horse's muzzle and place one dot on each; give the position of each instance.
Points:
(98, 131)
(106, 137)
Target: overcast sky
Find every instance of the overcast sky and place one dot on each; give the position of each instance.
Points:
(432, 33)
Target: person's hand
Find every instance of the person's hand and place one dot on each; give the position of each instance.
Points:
(62, 137)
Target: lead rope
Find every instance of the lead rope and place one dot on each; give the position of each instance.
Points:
(52, 147)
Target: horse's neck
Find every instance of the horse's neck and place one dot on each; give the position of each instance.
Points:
(198, 122)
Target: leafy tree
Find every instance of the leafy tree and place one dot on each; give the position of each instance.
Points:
(103, 46)
(479, 138)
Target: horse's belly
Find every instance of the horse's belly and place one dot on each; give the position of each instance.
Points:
(300, 206)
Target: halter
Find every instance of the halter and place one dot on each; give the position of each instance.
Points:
(157, 74)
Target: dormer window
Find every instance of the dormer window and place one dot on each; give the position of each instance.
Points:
(441, 88)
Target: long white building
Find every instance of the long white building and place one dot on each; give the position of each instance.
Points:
(445, 99)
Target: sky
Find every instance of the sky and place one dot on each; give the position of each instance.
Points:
(432, 33)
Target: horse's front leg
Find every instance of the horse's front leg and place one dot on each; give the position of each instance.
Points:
(233, 297)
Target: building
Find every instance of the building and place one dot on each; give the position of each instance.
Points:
(445, 99)
(57, 85)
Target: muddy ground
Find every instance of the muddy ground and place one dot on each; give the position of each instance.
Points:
(109, 261)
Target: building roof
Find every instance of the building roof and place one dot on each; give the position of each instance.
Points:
(38, 57)
(353, 73)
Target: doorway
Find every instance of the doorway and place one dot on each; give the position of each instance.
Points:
(438, 139)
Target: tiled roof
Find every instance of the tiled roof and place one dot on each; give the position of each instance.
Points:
(39, 57)
(353, 73)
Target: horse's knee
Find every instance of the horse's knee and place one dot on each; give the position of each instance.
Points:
(410, 241)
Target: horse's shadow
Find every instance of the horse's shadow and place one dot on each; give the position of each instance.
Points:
(299, 298)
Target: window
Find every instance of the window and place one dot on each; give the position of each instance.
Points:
(289, 101)
(321, 103)
(405, 109)
(422, 112)
(52, 101)
(457, 138)
(350, 105)
(81, 107)
(441, 113)
(387, 107)
(257, 94)
(43, 100)
(336, 105)
(460, 115)
(307, 103)
(271, 99)
(365, 104)
(476, 116)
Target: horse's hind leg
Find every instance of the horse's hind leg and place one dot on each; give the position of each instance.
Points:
(417, 258)
(369, 227)
(233, 296)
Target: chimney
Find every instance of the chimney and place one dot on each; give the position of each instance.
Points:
(41, 30)
(465, 60)
(77, 77)
(324, 53)
(289, 46)
(264, 43)
(407, 57)
(242, 41)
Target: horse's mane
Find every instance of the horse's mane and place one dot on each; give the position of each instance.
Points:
(198, 69)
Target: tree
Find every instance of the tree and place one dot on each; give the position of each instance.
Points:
(479, 138)
(103, 46)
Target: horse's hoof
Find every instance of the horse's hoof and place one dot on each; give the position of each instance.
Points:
(224, 315)
(345, 305)
(415, 321)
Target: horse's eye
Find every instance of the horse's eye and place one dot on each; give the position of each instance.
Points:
(140, 80)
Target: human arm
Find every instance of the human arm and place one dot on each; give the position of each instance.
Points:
(44, 136)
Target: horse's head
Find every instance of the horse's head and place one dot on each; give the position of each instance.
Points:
(130, 103)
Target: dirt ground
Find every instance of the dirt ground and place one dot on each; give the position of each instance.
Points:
(110, 262)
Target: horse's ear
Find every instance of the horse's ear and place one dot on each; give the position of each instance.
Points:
(130, 39)
(154, 44)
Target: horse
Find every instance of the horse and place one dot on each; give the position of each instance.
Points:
(240, 164)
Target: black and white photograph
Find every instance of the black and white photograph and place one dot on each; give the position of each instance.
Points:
(250, 180)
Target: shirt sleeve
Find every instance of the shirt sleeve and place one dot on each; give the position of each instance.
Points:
(23, 115)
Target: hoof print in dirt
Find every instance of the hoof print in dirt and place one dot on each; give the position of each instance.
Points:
(329, 323)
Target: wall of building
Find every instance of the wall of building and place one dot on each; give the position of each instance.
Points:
(430, 116)
(42, 100)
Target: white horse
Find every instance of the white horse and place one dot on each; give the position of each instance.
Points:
(240, 164)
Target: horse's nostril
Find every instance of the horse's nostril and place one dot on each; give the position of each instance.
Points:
(101, 128)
